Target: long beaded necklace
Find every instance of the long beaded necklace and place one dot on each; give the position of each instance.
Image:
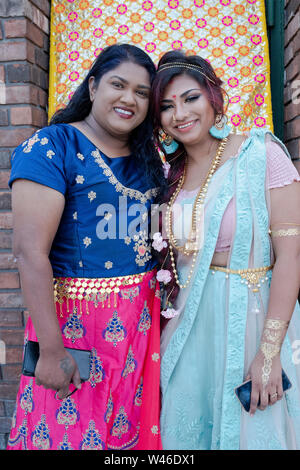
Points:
(191, 244)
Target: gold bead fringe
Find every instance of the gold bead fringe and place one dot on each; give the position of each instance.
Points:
(96, 290)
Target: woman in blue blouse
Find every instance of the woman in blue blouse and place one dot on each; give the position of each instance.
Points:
(82, 189)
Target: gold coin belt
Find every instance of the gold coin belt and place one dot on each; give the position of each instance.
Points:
(96, 290)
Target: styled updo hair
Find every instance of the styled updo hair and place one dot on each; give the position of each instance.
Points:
(211, 85)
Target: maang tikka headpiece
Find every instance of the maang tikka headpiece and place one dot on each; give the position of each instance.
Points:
(197, 68)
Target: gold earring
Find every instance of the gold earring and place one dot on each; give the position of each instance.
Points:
(219, 122)
(164, 138)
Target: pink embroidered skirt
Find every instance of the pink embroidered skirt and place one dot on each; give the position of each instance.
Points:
(118, 320)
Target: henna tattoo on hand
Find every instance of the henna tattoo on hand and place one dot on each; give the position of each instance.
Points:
(273, 336)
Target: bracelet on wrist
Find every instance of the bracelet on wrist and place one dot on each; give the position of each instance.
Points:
(272, 339)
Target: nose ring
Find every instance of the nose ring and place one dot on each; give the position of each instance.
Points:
(174, 118)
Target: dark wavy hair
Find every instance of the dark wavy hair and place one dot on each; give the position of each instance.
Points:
(141, 139)
(212, 87)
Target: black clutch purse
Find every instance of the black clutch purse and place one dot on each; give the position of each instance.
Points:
(243, 391)
(32, 352)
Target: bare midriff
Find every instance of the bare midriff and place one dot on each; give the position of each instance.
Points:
(220, 258)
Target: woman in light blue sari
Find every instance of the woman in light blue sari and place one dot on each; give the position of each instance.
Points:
(231, 271)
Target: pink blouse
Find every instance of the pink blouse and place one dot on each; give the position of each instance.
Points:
(280, 172)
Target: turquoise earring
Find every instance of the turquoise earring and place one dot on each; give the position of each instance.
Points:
(171, 148)
(168, 143)
(220, 130)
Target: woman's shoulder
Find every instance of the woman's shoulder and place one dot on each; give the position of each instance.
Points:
(57, 132)
(56, 138)
(46, 135)
(254, 139)
(41, 158)
(52, 130)
(234, 145)
(280, 168)
(237, 140)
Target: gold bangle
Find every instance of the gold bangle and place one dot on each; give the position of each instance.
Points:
(276, 323)
(291, 232)
(287, 223)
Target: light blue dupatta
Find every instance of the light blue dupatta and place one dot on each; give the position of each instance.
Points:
(244, 178)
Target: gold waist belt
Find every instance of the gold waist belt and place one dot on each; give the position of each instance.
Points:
(97, 290)
(252, 277)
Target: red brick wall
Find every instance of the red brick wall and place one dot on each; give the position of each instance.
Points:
(292, 78)
(24, 59)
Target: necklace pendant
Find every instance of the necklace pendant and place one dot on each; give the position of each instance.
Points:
(192, 236)
(189, 247)
(192, 245)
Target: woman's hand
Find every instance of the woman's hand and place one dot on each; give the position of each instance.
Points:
(269, 394)
(56, 370)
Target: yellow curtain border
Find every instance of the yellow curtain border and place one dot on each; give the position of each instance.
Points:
(52, 65)
(267, 58)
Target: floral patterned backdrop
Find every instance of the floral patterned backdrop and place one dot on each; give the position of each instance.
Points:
(231, 34)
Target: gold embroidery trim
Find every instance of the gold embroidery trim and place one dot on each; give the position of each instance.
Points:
(120, 188)
(128, 445)
(251, 277)
(97, 290)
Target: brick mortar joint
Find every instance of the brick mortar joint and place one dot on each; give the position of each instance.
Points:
(288, 44)
(23, 39)
(292, 16)
(33, 13)
(38, 8)
(29, 10)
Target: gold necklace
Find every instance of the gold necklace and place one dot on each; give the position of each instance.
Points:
(191, 244)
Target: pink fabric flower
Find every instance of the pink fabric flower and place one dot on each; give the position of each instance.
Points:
(169, 313)
(166, 168)
(158, 242)
(164, 275)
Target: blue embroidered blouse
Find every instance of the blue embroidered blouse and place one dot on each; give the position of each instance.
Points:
(104, 228)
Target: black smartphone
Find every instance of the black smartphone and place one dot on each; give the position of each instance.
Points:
(243, 391)
(32, 352)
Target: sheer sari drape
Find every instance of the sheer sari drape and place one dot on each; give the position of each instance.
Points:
(208, 348)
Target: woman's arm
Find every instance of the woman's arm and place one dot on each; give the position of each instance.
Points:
(297, 164)
(285, 234)
(265, 370)
(37, 210)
